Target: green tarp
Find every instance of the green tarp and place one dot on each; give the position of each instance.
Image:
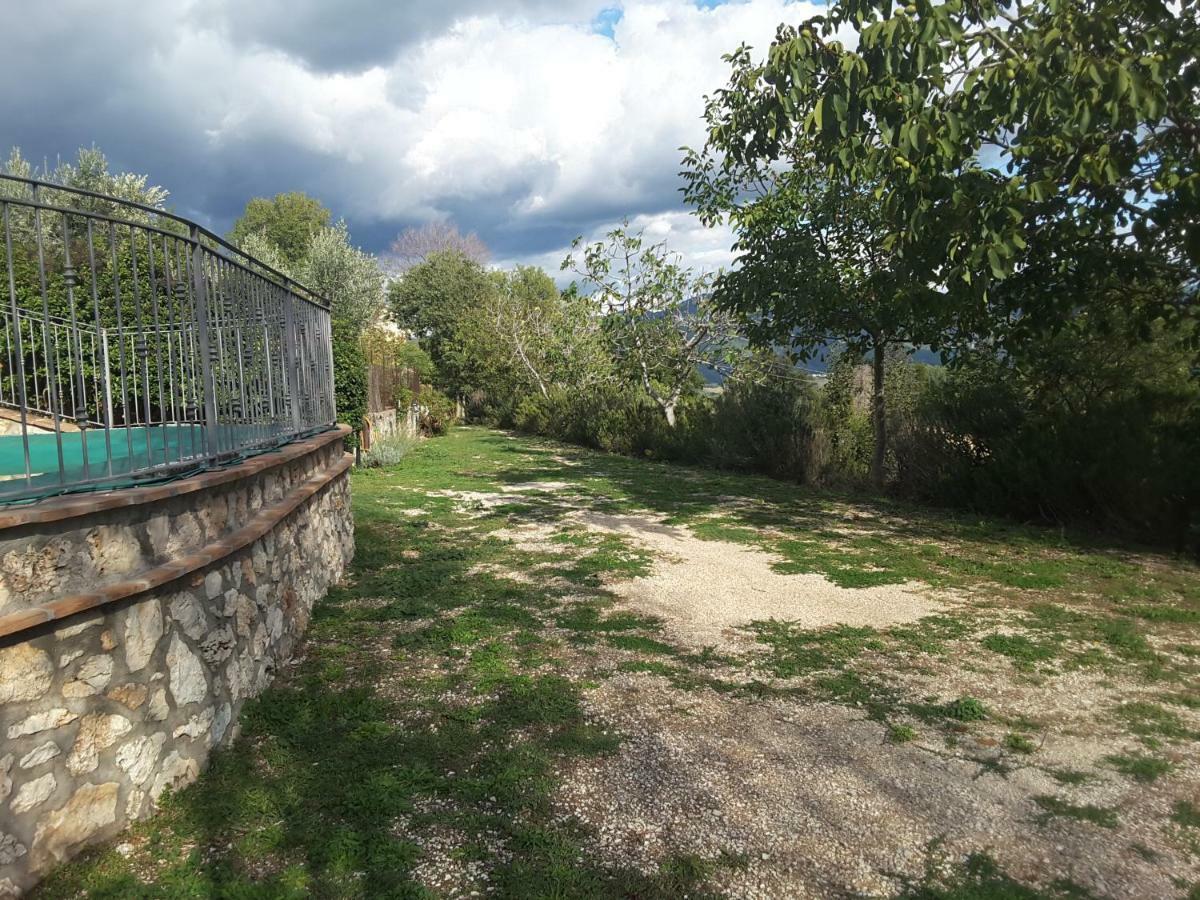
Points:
(110, 459)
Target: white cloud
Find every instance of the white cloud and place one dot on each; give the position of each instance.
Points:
(519, 121)
(704, 249)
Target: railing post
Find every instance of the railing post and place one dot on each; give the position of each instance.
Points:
(331, 383)
(200, 304)
(291, 357)
(108, 401)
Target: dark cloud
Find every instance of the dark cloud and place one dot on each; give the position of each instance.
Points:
(351, 35)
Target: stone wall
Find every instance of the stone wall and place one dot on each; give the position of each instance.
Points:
(103, 709)
(387, 423)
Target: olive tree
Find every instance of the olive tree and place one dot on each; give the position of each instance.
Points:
(347, 275)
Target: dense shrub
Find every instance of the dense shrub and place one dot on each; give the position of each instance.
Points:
(766, 425)
(437, 412)
(608, 417)
(349, 376)
(845, 440)
(1079, 433)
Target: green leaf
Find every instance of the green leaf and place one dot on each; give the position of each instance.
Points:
(995, 263)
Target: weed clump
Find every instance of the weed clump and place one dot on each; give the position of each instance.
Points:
(901, 734)
(1019, 743)
(1138, 766)
(966, 709)
(1056, 807)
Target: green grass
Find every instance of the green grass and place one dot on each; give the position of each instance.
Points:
(1139, 766)
(979, 877)
(1023, 651)
(795, 650)
(607, 556)
(1056, 807)
(1151, 721)
(1186, 814)
(1019, 743)
(640, 644)
(1070, 777)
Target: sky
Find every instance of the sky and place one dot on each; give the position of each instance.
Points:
(527, 121)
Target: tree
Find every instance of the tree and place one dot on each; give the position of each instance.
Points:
(350, 278)
(986, 127)
(288, 221)
(658, 315)
(90, 172)
(523, 318)
(327, 263)
(538, 337)
(434, 300)
(815, 266)
(414, 246)
(257, 245)
(115, 257)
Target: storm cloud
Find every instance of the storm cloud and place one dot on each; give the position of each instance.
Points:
(528, 121)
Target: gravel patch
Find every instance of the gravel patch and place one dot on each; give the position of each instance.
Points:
(706, 592)
(815, 803)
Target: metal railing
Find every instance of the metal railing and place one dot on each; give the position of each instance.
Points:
(135, 344)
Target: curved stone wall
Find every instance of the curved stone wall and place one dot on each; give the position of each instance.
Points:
(133, 626)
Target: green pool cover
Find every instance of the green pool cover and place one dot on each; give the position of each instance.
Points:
(125, 451)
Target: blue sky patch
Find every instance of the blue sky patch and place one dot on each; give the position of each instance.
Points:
(606, 20)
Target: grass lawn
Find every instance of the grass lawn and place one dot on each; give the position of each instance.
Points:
(485, 706)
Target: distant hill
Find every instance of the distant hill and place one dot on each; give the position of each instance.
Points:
(819, 364)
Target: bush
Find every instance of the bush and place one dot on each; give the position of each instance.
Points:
(1079, 432)
(616, 418)
(845, 441)
(349, 377)
(437, 412)
(389, 451)
(765, 426)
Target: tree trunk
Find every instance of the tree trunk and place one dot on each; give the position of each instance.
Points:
(878, 416)
(669, 411)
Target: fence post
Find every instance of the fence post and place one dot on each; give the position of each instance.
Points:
(108, 403)
(331, 382)
(208, 385)
(291, 357)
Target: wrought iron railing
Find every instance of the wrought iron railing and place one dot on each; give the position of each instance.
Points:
(135, 344)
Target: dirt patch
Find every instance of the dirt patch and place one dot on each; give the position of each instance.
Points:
(539, 487)
(812, 802)
(476, 503)
(481, 503)
(706, 592)
(498, 571)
